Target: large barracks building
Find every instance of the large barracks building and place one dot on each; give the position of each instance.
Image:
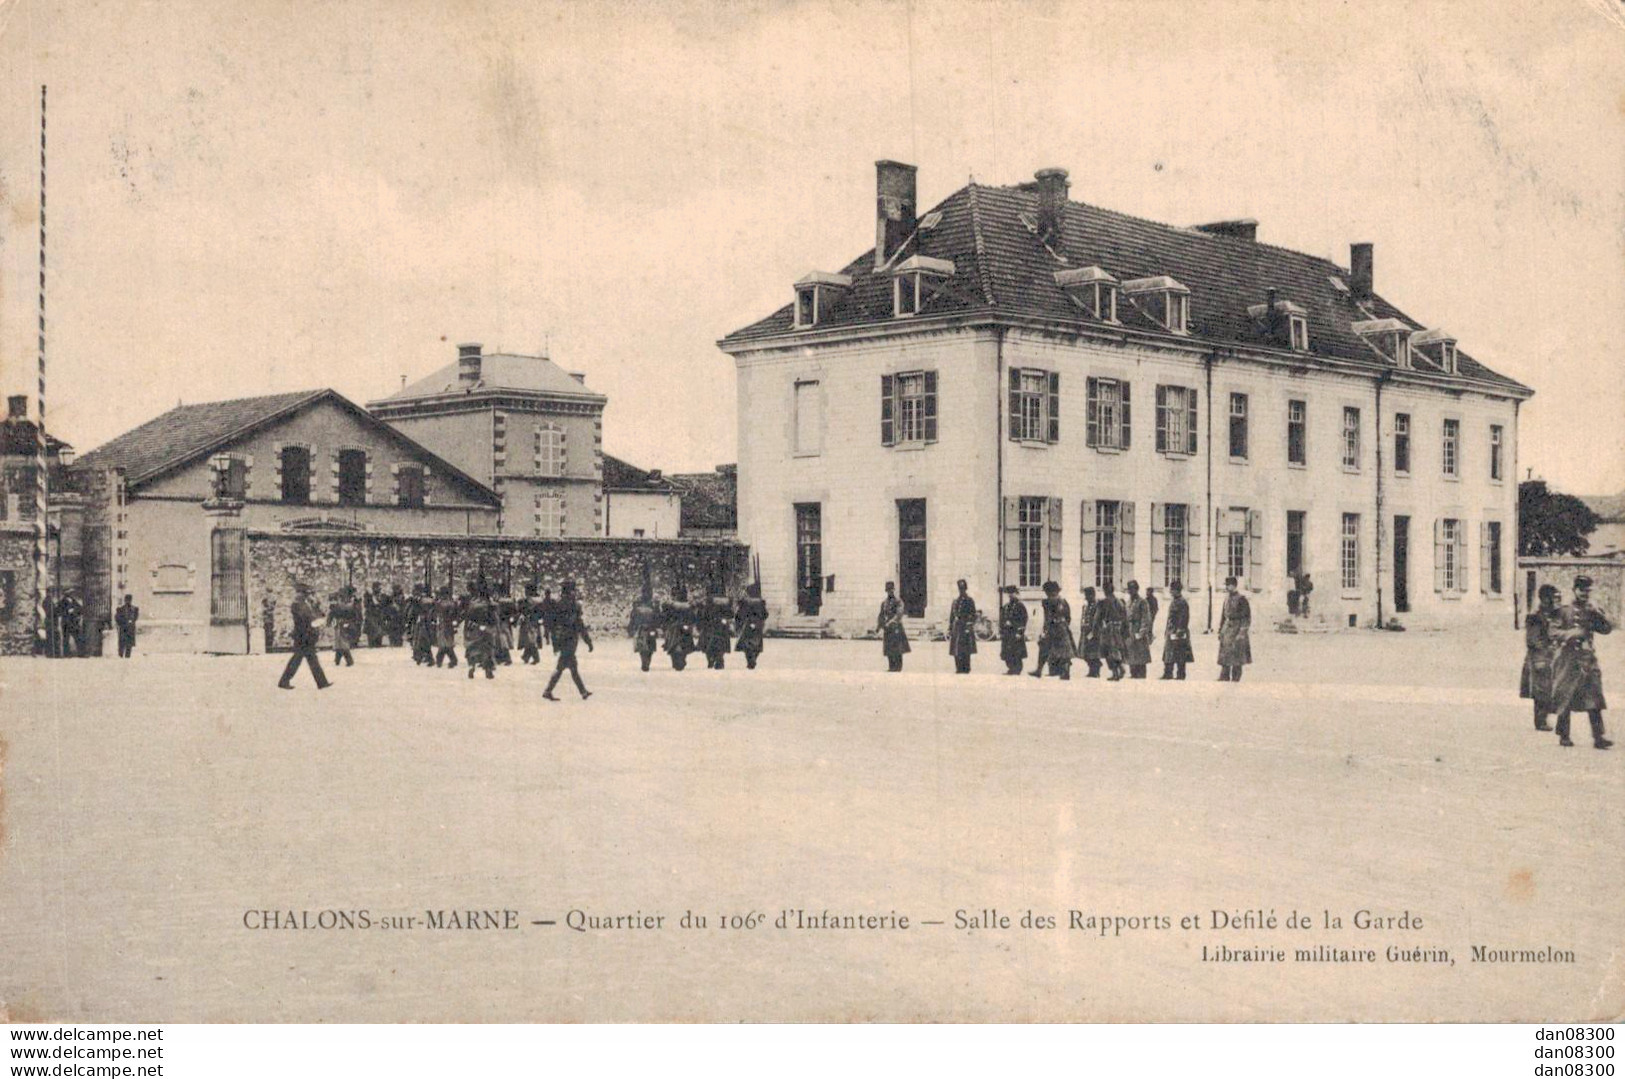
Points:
(1014, 387)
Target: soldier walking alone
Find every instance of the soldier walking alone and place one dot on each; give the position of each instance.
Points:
(568, 628)
(1013, 631)
(1576, 677)
(1235, 633)
(307, 634)
(894, 640)
(962, 629)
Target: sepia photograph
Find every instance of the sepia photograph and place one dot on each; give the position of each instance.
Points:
(812, 511)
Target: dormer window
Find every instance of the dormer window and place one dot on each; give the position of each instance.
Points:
(1298, 326)
(1284, 322)
(1163, 299)
(1092, 289)
(915, 280)
(815, 295)
(1438, 346)
(1388, 336)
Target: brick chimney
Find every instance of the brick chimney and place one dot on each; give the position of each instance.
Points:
(1052, 198)
(468, 364)
(17, 407)
(1360, 270)
(894, 208)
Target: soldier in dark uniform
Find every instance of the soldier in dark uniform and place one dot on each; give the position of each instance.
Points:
(395, 615)
(307, 634)
(962, 629)
(894, 639)
(480, 632)
(1055, 645)
(420, 625)
(530, 628)
(268, 621)
(1576, 677)
(445, 628)
(643, 626)
(750, 620)
(502, 637)
(714, 615)
(72, 613)
(568, 628)
(1113, 631)
(1540, 648)
(1013, 631)
(1235, 633)
(1089, 632)
(677, 628)
(125, 619)
(1176, 645)
(1137, 648)
(344, 617)
(372, 615)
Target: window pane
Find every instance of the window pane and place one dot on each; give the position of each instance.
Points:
(911, 407)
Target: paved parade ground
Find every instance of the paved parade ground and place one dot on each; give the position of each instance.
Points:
(182, 841)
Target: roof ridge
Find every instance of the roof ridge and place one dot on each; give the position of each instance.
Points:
(982, 270)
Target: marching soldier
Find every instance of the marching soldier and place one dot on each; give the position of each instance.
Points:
(750, 619)
(677, 628)
(1055, 646)
(1137, 649)
(1013, 631)
(372, 615)
(1089, 632)
(894, 639)
(1540, 649)
(342, 616)
(530, 628)
(480, 632)
(568, 628)
(445, 628)
(715, 635)
(644, 626)
(307, 634)
(1576, 677)
(1235, 633)
(1176, 645)
(1113, 631)
(125, 618)
(395, 615)
(962, 629)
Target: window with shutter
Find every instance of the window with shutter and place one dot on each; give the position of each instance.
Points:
(930, 406)
(1483, 558)
(888, 430)
(1123, 439)
(1092, 420)
(1033, 394)
(1190, 422)
(1255, 550)
(1162, 419)
(1053, 519)
(1439, 580)
(1012, 540)
(1159, 539)
(1125, 528)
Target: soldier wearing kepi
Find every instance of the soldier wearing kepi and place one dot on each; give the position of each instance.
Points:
(480, 632)
(125, 619)
(644, 626)
(1089, 632)
(307, 634)
(1540, 649)
(962, 629)
(716, 635)
(1137, 648)
(1113, 631)
(1013, 631)
(1235, 633)
(341, 615)
(445, 628)
(677, 628)
(530, 628)
(568, 628)
(1176, 645)
(1576, 677)
(893, 638)
(1055, 646)
(750, 619)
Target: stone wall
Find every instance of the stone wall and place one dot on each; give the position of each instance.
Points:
(16, 589)
(608, 572)
(1607, 582)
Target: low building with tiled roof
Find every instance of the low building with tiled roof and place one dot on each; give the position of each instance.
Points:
(710, 502)
(194, 480)
(524, 425)
(1014, 387)
(639, 503)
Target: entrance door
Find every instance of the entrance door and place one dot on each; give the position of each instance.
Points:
(1402, 564)
(809, 557)
(911, 555)
(228, 601)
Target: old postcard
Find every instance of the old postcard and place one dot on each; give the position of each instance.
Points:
(828, 511)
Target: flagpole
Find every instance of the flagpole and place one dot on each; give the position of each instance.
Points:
(41, 484)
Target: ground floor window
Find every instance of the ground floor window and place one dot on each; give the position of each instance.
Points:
(1490, 559)
(549, 515)
(1349, 553)
(1294, 543)
(1173, 544)
(1030, 549)
(1447, 556)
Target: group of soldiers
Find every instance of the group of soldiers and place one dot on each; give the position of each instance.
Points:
(1114, 633)
(1560, 670)
(712, 625)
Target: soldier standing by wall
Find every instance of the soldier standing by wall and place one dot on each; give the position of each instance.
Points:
(962, 629)
(1576, 677)
(677, 631)
(1176, 646)
(125, 619)
(894, 640)
(643, 626)
(1013, 631)
(1235, 633)
(1113, 631)
(307, 634)
(751, 621)
(1089, 632)
(568, 628)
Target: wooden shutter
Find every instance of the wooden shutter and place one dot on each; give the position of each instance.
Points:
(1190, 422)
(1053, 431)
(1439, 548)
(1461, 557)
(1126, 428)
(1012, 540)
(1483, 557)
(1054, 545)
(1193, 545)
(888, 431)
(1091, 434)
(1086, 542)
(929, 406)
(1013, 424)
(1162, 434)
(1255, 550)
(1159, 539)
(1125, 544)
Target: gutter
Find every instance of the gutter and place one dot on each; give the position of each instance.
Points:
(1208, 361)
(998, 452)
(1381, 379)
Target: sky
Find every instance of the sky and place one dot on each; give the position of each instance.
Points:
(256, 196)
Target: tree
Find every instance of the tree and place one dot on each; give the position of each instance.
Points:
(1552, 523)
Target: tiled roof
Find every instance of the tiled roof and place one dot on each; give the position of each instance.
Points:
(17, 439)
(710, 500)
(187, 431)
(620, 476)
(1002, 267)
(499, 371)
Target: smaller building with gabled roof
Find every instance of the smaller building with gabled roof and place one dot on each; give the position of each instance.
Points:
(193, 481)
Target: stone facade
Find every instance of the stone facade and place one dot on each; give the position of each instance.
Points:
(16, 588)
(608, 573)
(1607, 581)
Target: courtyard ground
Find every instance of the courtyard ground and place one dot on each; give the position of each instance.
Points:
(153, 808)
